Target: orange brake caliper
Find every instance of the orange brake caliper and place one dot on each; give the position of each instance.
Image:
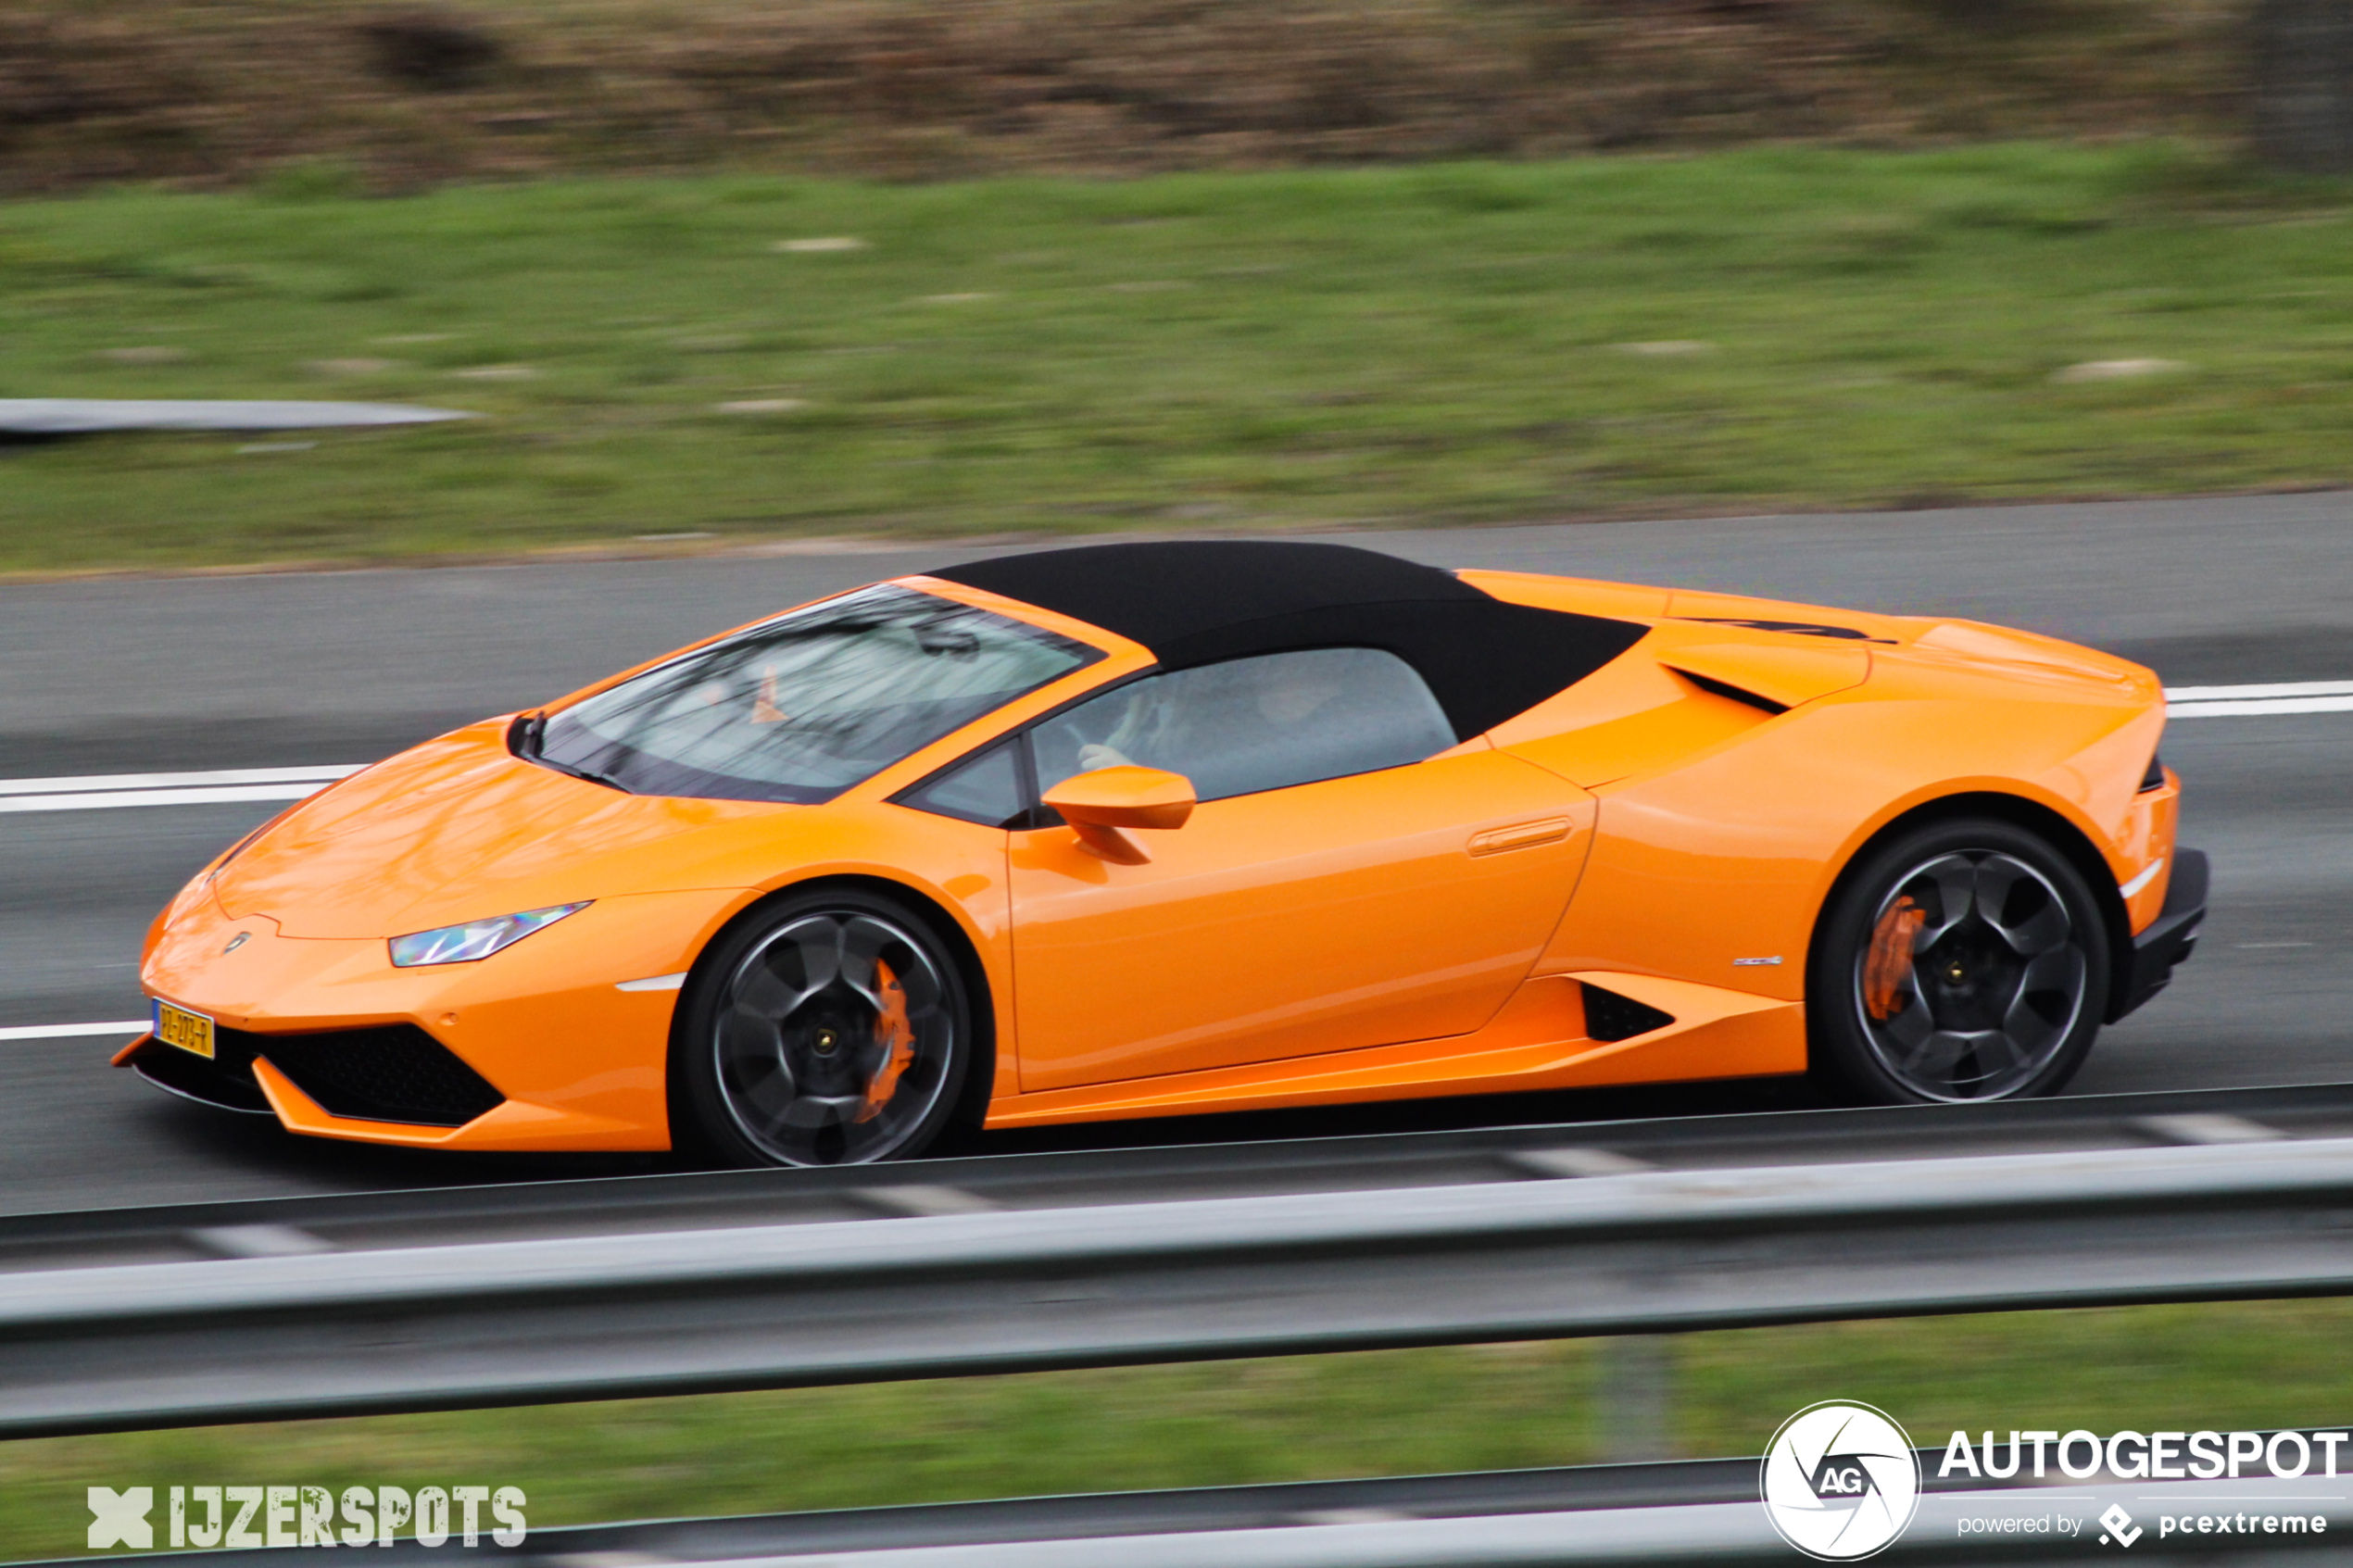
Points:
(1891, 956)
(896, 1035)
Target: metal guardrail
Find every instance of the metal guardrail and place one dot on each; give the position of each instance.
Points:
(600, 1316)
(615, 1206)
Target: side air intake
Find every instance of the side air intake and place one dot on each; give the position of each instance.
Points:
(1726, 688)
(1609, 1016)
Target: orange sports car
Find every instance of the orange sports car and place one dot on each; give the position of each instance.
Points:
(1144, 829)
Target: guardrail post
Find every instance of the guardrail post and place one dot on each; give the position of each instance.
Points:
(2303, 87)
(1636, 1398)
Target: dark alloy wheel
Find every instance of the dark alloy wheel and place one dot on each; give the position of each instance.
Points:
(1965, 960)
(833, 1029)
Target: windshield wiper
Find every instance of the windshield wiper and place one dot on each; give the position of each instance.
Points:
(590, 775)
(525, 743)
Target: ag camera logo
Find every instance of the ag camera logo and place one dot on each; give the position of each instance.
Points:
(1840, 1481)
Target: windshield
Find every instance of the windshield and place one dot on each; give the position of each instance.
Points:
(802, 707)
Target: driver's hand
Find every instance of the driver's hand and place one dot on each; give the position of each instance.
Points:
(1095, 754)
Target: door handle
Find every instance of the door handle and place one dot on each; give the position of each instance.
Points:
(1519, 835)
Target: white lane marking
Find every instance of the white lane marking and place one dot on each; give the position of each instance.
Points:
(2259, 706)
(2209, 1127)
(258, 1241)
(2256, 701)
(2291, 689)
(92, 783)
(73, 1031)
(115, 799)
(1569, 1162)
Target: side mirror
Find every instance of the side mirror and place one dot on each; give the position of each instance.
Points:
(1100, 805)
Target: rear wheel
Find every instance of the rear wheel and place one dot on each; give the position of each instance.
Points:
(833, 1029)
(1964, 961)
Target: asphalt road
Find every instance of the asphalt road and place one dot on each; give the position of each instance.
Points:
(118, 676)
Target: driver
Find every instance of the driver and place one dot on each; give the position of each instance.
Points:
(1193, 724)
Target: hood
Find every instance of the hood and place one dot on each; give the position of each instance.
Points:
(460, 829)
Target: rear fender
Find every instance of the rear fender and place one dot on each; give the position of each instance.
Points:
(2042, 818)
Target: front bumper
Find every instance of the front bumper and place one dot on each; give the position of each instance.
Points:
(2170, 937)
(537, 1048)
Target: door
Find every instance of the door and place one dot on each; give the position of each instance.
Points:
(1352, 877)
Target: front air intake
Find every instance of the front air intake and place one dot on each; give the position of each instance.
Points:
(395, 1072)
(1609, 1016)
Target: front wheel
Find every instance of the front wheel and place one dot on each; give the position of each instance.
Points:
(832, 1029)
(1964, 961)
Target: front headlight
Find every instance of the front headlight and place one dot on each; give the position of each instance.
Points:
(479, 939)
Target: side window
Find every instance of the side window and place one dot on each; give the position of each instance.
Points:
(984, 789)
(1253, 725)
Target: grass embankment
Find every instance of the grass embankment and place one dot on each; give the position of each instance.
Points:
(395, 94)
(2244, 1366)
(1450, 343)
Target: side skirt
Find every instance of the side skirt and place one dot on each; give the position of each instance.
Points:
(1538, 1040)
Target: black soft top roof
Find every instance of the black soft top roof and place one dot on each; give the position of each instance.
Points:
(1196, 602)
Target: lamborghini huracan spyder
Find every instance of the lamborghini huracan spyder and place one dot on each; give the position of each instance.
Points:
(1141, 829)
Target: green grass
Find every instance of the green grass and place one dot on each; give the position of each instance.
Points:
(2243, 1366)
(1438, 343)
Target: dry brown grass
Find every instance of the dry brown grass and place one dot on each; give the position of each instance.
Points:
(393, 96)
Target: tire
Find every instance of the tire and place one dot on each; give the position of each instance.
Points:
(832, 1028)
(1965, 959)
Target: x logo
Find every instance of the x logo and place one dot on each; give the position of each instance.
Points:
(121, 1518)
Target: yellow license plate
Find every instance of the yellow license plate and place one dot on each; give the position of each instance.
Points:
(189, 1031)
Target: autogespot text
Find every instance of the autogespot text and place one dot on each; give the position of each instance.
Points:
(2153, 1456)
(2147, 1456)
